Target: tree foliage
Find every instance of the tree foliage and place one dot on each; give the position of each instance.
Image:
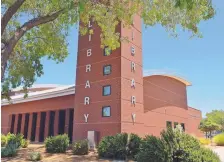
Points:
(217, 116)
(33, 29)
(208, 126)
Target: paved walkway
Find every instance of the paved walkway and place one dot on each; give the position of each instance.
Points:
(220, 152)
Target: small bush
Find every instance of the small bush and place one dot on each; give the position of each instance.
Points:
(14, 139)
(113, 146)
(174, 145)
(25, 143)
(219, 139)
(34, 156)
(10, 150)
(57, 144)
(151, 150)
(3, 140)
(204, 141)
(209, 155)
(120, 146)
(134, 142)
(80, 147)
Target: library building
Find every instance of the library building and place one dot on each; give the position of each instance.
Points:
(110, 96)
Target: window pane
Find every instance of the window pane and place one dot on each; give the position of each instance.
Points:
(106, 111)
(183, 126)
(169, 124)
(107, 70)
(175, 124)
(107, 51)
(106, 90)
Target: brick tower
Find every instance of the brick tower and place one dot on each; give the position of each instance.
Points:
(109, 89)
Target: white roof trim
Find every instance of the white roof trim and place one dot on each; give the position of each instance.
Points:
(33, 96)
(39, 86)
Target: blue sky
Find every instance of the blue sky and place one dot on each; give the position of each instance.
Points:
(198, 60)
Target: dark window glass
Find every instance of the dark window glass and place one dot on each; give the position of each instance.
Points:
(61, 124)
(168, 124)
(27, 116)
(106, 90)
(107, 51)
(42, 126)
(183, 126)
(34, 124)
(106, 69)
(106, 111)
(19, 124)
(175, 124)
(51, 123)
(70, 126)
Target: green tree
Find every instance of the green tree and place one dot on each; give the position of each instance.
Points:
(217, 116)
(208, 126)
(33, 29)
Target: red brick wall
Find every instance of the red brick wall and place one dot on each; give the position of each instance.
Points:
(104, 125)
(57, 103)
(165, 99)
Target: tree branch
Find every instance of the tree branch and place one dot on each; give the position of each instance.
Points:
(6, 52)
(9, 13)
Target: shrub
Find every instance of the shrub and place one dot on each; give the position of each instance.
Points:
(25, 143)
(80, 147)
(10, 150)
(134, 142)
(209, 155)
(15, 139)
(34, 156)
(113, 146)
(219, 139)
(151, 150)
(119, 146)
(57, 144)
(174, 145)
(204, 141)
(3, 140)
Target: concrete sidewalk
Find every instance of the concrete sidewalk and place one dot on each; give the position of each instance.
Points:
(219, 151)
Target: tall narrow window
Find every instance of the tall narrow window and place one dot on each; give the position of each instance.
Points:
(42, 126)
(106, 90)
(34, 124)
(183, 126)
(168, 124)
(61, 124)
(12, 123)
(175, 124)
(51, 123)
(27, 116)
(70, 126)
(106, 69)
(19, 124)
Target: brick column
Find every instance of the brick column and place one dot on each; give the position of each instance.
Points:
(9, 124)
(56, 121)
(46, 128)
(37, 127)
(16, 123)
(66, 120)
(30, 126)
(23, 123)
